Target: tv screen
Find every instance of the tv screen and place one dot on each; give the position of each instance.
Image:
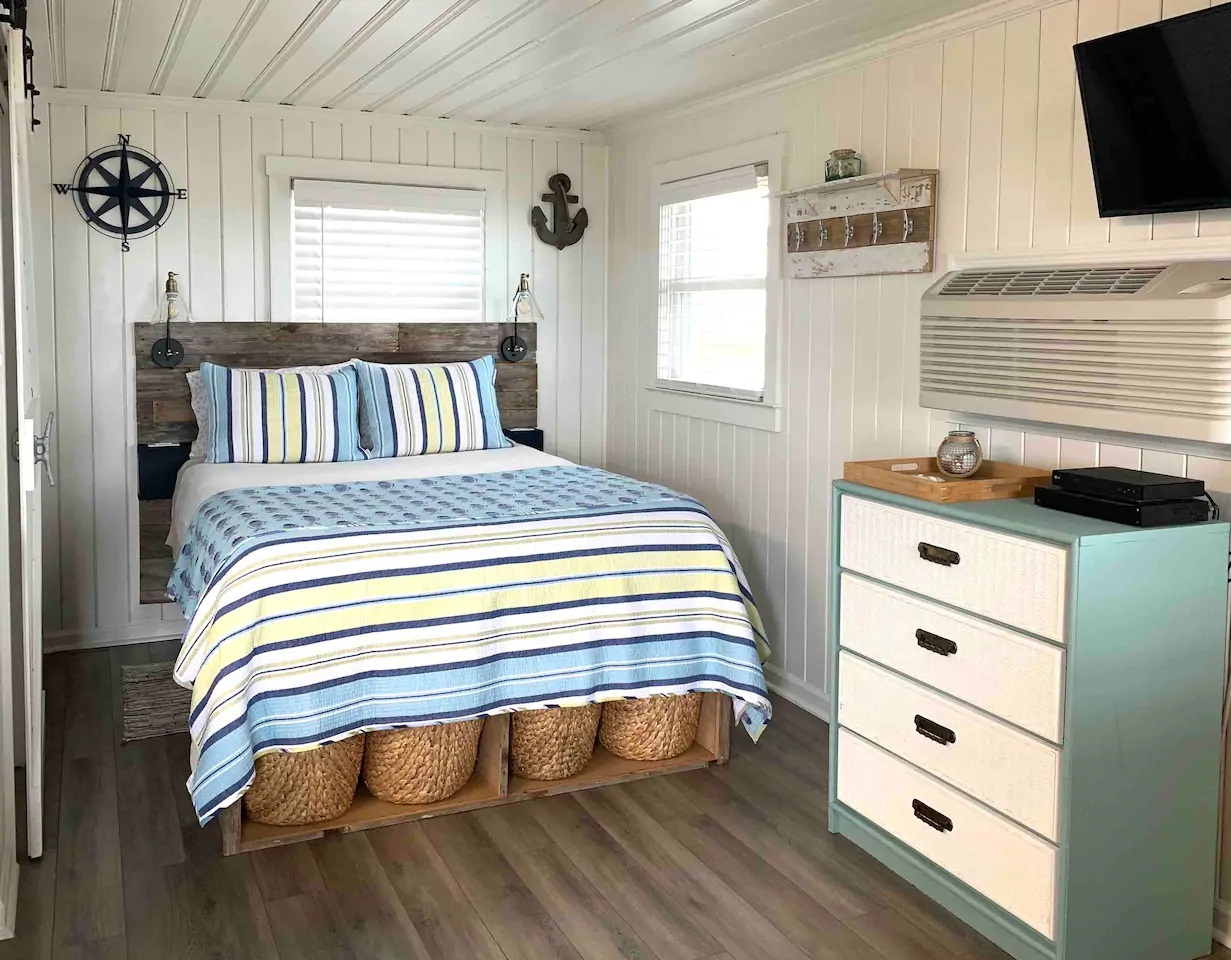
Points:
(1157, 101)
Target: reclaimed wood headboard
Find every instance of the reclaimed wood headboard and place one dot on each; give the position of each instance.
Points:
(164, 413)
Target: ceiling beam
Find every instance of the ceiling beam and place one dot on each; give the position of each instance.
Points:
(247, 20)
(56, 42)
(358, 38)
(293, 43)
(454, 10)
(175, 43)
(115, 42)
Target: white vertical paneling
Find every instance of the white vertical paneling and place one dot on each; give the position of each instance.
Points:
(217, 241)
(413, 146)
(898, 109)
(204, 217)
(356, 140)
(816, 480)
(141, 262)
(440, 148)
(593, 314)
(73, 340)
(385, 146)
(568, 333)
(955, 110)
(805, 166)
(1053, 173)
(1005, 445)
(326, 140)
(986, 123)
(42, 205)
(1041, 451)
(296, 137)
(171, 240)
(546, 292)
(798, 368)
(1115, 455)
(266, 141)
(1019, 132)
(140, 266)
(1078, 453)
(1164, 461)
(468, 149)
(875, 107)
(235, 174)
(108, 358)
(1095, 18)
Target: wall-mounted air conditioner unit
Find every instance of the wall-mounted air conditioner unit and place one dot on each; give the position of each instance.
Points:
(1139, 349)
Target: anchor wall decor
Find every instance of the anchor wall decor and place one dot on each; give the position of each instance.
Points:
(565, 230)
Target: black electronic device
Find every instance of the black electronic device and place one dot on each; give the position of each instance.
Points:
(1133, 486)
(1158, 94)
(1155, 513)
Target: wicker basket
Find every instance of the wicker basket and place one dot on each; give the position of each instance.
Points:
(421, 764)
(307, 786)
(656, 728)
(555, 743)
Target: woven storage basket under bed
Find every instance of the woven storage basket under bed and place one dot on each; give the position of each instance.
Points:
(656, 728)
(421, 764)
(555, 743)
(306, 786)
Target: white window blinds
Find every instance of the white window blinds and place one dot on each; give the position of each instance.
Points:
(386, 254)
(713, 251)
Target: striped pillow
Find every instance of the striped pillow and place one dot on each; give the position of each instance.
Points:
(417, 408)
(273, 416)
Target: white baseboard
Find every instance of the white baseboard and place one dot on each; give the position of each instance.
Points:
(800, 693)
(1222, 922)
(64, 640)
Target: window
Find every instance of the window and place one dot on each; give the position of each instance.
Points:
(713, 253)
(364, 253)
(354, 241)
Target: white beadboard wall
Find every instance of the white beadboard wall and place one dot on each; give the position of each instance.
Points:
(990, 99)
(217, 240)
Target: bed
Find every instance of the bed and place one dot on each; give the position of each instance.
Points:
(325, 599)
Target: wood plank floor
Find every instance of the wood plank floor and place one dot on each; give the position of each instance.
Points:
(729, 863)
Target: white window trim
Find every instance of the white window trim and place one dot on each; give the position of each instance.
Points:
(282, 170)
(699, 401)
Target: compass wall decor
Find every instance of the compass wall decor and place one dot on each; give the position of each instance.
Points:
(123, 191)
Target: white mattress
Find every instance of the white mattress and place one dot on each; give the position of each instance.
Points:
(198, 481)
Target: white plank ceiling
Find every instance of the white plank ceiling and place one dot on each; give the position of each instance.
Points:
(563, 63)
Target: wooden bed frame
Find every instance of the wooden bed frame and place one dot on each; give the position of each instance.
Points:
(164, 413)
(491, 784)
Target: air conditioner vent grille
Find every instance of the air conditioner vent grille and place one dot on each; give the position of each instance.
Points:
(1049, 283)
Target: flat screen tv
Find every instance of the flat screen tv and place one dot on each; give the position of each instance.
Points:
(1157, 101)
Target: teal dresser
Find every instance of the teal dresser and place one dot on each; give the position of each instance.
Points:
(1026, 718)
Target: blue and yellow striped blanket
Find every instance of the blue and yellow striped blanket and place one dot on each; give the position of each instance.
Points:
(319, 611)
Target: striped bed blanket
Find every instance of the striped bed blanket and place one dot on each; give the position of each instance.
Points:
(315, 612)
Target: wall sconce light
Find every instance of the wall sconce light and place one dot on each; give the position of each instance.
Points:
(169, 352)
(525, 309)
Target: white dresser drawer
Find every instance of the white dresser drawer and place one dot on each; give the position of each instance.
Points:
(1015, 677)
(1005, 863)
(1011, 579)
(1003, 767)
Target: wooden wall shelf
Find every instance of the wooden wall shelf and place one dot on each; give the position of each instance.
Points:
(876, 224)
(491, 784)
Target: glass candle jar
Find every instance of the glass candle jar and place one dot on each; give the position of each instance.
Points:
(842, 164)
(959, 454)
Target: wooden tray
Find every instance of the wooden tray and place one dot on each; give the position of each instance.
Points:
(993, 481)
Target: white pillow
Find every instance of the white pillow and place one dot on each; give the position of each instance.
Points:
(200, 404)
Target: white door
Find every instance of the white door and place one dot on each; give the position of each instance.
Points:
(31, 445)
(10, 599)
